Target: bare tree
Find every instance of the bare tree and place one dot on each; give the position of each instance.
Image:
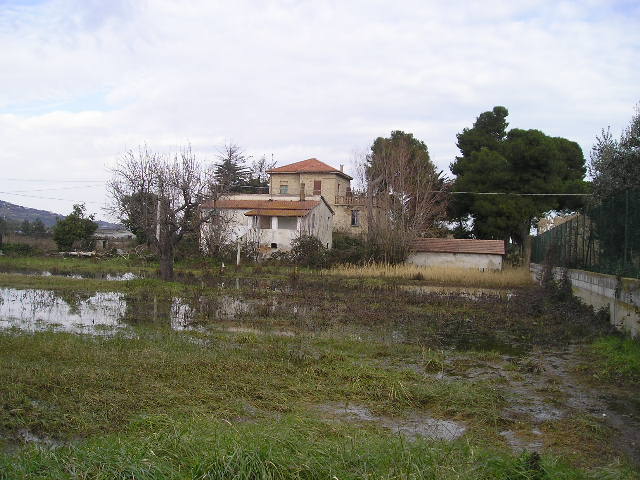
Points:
(161, 196)
(405, 196)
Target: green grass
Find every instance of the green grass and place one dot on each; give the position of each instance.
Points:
(158, 447)
(63, 385)
(150, 402)
(617, 359)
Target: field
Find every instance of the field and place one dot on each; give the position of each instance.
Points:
(280, 373)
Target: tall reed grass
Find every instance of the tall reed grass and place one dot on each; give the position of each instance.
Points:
(466, 277)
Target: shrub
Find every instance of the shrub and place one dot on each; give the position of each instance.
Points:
(347, 249)
(18, 249)
(308, 251)
(75, 227)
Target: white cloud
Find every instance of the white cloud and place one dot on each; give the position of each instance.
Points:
(82, 81)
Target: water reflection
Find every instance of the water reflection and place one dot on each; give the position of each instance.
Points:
(35, 309)
(115, 277)
(242, 311)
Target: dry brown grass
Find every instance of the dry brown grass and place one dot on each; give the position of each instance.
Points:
(46, 244)
(507, 278)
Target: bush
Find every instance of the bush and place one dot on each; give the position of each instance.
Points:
(18, 249)
(308, 251)
(75, 228)
(347, 249)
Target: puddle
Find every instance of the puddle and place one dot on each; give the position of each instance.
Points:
(115, 277)
(35, 309)
(256, 331)
(13, 443)
(519, 443)
(412, 427)
(464, 292)
(104, 313)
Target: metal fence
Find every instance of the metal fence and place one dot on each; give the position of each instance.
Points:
(604, 237)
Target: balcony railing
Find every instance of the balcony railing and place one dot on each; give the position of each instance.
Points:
(352, 200)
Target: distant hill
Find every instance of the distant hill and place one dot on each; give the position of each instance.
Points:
(18, 214)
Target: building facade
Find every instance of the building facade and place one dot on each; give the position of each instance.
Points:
(312, 178)
(271, 222)
(457, 253)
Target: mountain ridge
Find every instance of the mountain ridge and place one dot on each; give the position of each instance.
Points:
(18, 213)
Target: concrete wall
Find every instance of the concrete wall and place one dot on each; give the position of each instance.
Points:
(620, 296)
(456, 260)
(319, 223)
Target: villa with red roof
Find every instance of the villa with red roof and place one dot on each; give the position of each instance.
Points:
(307, 197)
(313, 178)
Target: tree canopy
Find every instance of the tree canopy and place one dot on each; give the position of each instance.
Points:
(160, 197)
(74, 227)
(518, 161)
(407, 190)
(231, 174)
(615, 164)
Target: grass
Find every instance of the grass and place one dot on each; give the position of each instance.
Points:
(149, 402)
(617, 359)
(64, 385)
(507, 278)
(159, 447)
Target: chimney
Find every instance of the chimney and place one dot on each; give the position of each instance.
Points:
(341, 167)
(302, 192)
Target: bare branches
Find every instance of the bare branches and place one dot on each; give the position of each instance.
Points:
(406, 196)
(160, 196)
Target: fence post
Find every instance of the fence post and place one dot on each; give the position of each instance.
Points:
(626, 228)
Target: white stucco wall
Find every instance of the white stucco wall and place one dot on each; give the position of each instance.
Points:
(457, 260)
(318, 222)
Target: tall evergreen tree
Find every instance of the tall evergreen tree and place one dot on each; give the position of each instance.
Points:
(231, 173)
(519, 161)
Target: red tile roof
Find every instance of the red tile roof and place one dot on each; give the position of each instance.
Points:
(277, 213)
(311, 165)
(229, 203)
(458, 245)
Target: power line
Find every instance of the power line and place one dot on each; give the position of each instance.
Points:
(50, 198)
(48, 189)
(521, 194)
(86, 180)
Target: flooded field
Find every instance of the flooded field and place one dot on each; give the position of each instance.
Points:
(486, 366)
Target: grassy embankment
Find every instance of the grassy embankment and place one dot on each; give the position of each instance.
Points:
(615, 359)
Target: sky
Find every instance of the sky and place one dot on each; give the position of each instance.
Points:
(83, 81)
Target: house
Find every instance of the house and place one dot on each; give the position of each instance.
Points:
(106, 238)
(272, 222)
(315, 179)
(457, 253)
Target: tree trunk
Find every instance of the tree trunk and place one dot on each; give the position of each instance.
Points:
(166, 262)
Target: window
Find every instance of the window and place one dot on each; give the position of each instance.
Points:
(317, 187)
(284, 188)
(274, 245)
(355, 218)
(287, 223)
(265, 223)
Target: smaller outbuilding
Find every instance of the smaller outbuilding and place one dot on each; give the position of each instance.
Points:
(457, 253)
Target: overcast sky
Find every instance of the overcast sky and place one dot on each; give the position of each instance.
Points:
(84, 80)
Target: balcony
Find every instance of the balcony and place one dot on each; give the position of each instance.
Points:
(352, 200)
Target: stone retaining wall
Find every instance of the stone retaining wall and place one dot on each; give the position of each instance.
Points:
(621, 296)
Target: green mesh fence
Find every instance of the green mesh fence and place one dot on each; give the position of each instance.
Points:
(604, 237)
